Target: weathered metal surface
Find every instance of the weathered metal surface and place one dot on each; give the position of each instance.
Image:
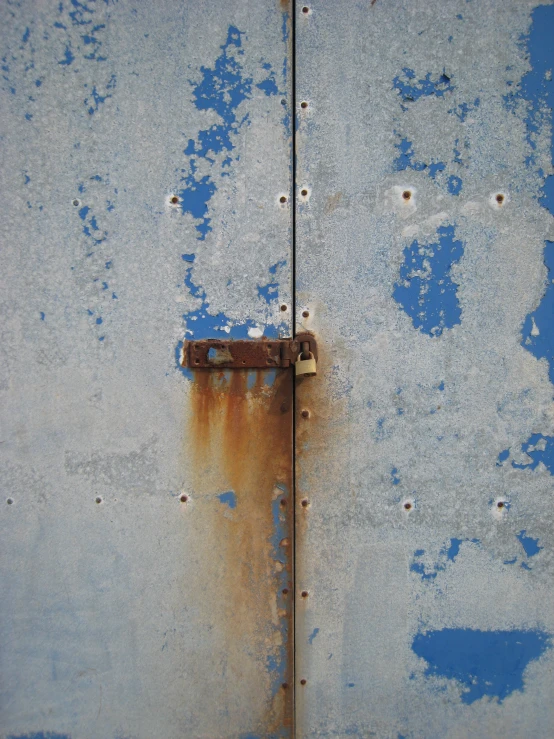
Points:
(254, 354)
(145, 151)
(424, 461)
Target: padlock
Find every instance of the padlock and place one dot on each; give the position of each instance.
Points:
(306, 367)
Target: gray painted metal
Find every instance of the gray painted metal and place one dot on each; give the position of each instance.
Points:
(421, 250)
(145, 148)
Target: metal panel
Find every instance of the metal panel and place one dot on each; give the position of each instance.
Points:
(146, 150)
(424, 262)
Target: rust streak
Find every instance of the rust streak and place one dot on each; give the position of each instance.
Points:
(240, 430)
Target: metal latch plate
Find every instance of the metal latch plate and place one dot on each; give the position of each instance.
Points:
(255, 354)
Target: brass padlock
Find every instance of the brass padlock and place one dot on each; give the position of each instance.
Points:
(306, 367)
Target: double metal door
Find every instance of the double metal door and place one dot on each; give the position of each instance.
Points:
(233, 553)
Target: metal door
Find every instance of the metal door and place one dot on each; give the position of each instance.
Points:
(146, 512)
(424, 258)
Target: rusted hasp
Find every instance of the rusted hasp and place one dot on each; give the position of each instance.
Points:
(255, 354)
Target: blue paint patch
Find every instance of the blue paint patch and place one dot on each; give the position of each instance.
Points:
(454, 548)
(454, 185)
(502, 457)
(268, 292)
(313, 635)
(406, 160)
(202, 325)
(188, 257)
(411, 89)
(26, 35)
(541, 449)
(394, 476)
(95, 99)
(425, 290)
(447, 554)
(485, 663)
(269, 86)
(435, 167)
(538, 328)
(42, 316)
(229, 499)
(530, 545)
(462, 110)
(68, 58)
(40, 735)
(535, 87)
(222, 89)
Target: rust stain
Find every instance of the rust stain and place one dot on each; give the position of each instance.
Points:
(240, 435)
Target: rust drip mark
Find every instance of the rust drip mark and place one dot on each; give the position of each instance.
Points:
(240, 431)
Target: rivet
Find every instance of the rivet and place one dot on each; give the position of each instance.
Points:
(305, 413)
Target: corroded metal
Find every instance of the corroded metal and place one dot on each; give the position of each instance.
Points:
(253, 354)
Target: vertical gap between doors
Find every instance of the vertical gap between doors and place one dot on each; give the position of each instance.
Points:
(294, 118)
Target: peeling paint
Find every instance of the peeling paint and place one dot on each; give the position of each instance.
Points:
(487, 664)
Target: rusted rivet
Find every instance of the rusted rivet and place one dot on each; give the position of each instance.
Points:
(76, 202)
(283, 199)
(9, 501)
(305, 413)
(284, 307)
(304, 593)
(98, 499)
(305, 10)
(284, 407)
(305, 314)
(303, 192)
(407, 506)
(285, 686)
(500, 504)
(500, 198)
(174, 200)
(303, 681)
(304, 502)
(285, 591)
(303, 105)
(406, 194)
(183, 498)
(283, 502)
